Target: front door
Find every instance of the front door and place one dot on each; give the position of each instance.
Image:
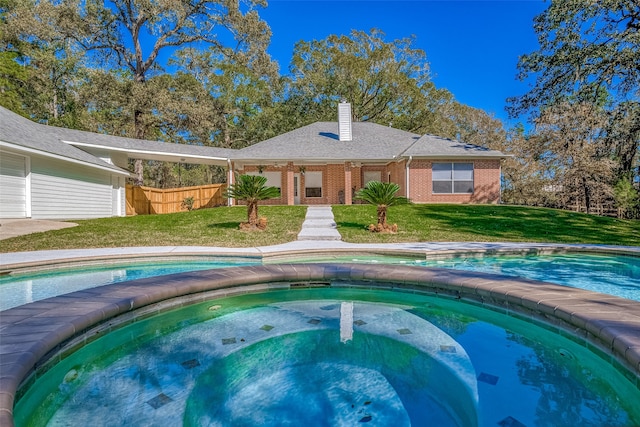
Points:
(296, 188)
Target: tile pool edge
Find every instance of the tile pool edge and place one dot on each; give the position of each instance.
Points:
(29, 334)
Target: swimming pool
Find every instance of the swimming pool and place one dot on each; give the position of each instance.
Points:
(332, 357)
(44, 335)
(608, 274)
(28, 287)
(617, 275)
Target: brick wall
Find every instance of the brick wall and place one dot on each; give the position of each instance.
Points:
(486, 183)
(397, 171)
(486, 174)
(282, 200)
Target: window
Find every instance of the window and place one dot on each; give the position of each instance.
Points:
(313, 184)
(369, 176)
(274, 179)
(452, 178)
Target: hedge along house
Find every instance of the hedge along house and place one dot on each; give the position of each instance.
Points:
(48, 172)
(326, 162)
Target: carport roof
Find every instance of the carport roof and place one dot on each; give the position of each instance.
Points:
(63, 142)
(22, 132)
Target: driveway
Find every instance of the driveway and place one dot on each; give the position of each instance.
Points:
(19, 227)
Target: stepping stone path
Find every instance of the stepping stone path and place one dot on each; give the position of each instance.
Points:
(319, 225)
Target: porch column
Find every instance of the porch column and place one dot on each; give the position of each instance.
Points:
(290, 190)
(347, 183)
(230, 180)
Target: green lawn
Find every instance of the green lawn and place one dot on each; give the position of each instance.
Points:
(485, 223)
(219, 227)
(206, 227)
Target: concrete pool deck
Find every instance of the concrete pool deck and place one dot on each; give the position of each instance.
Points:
(297, 249)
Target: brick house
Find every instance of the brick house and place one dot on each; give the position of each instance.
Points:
(326, 162)
(48, 172)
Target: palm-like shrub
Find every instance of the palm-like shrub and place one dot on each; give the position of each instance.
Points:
(383, 195)
(252, 189)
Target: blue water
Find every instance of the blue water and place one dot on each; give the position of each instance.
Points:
(614, 275)
(331, 357)
(25, 288)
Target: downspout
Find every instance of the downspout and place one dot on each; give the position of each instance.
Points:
(406, 177)
(500, 181)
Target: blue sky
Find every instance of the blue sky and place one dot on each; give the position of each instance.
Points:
(472, 46)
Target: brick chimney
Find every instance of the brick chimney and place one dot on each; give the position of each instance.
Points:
(344, 121)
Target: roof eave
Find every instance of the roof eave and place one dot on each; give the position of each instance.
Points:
(457, 156)
(159, 155)
(109, 168)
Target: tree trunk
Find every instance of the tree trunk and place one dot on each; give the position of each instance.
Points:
(138, 169)
(139, 130)
(382, 215)
(587, 198)
(252, 213)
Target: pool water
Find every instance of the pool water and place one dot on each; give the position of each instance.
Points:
(21, 289)
(338, 356)
(608, 274)
(614, 275)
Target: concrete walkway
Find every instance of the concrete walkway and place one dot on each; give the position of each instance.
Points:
(319, 224)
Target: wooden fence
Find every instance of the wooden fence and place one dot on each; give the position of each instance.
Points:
(147, 200)
(598, 209)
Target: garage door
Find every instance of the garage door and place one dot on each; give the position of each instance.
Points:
(13, 186)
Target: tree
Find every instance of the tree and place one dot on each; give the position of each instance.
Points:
(236, 94)
(589, 52)
(383, 195)
(38, 77)
(572, 147)
(475, 126)
(385, 82)
(131, 34)
(252, 189)
(585, 47)
(525, 176)
(627, 198)
(13, 82)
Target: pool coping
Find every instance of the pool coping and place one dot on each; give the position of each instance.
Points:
(34, 335)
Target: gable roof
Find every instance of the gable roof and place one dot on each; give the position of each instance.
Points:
(320, 142)
(317, 142)
(437, 147)
(371, 142)
(22, 132)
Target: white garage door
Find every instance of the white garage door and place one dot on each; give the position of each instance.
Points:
(13, 186)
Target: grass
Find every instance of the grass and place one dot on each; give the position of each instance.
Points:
(485, 223)
(206, 227)
(417, 223)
